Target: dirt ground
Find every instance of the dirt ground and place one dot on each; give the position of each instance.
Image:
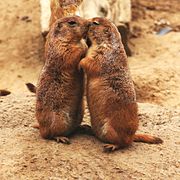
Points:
(155, 67)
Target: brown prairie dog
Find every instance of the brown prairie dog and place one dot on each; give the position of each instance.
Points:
(59, 93)
(110, 91)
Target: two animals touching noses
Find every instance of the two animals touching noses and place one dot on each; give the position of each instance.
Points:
(109, 87)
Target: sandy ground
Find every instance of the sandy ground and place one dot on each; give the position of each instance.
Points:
(155, 68)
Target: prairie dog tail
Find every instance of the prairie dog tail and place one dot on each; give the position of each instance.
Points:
(4, 92)
(31, 87)
(147, 139)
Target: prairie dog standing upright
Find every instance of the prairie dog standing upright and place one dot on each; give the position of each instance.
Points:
(59, 93)
(110, 91)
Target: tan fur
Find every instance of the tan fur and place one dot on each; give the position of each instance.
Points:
(59, 104)
(110, 91)
(63, 8)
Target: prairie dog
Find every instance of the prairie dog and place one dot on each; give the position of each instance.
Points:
(111, 96)
(59, 93)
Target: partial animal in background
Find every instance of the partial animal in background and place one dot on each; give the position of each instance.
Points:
(51, 10)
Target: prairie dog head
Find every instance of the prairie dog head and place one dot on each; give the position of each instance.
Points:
(103, 32)
(69, 30)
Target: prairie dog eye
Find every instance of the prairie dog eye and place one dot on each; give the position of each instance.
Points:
(96, 23)
(72, 23)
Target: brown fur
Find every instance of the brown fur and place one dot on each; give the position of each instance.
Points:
(59, 104)
(4, 92)
(63, 8)
(110, 91)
